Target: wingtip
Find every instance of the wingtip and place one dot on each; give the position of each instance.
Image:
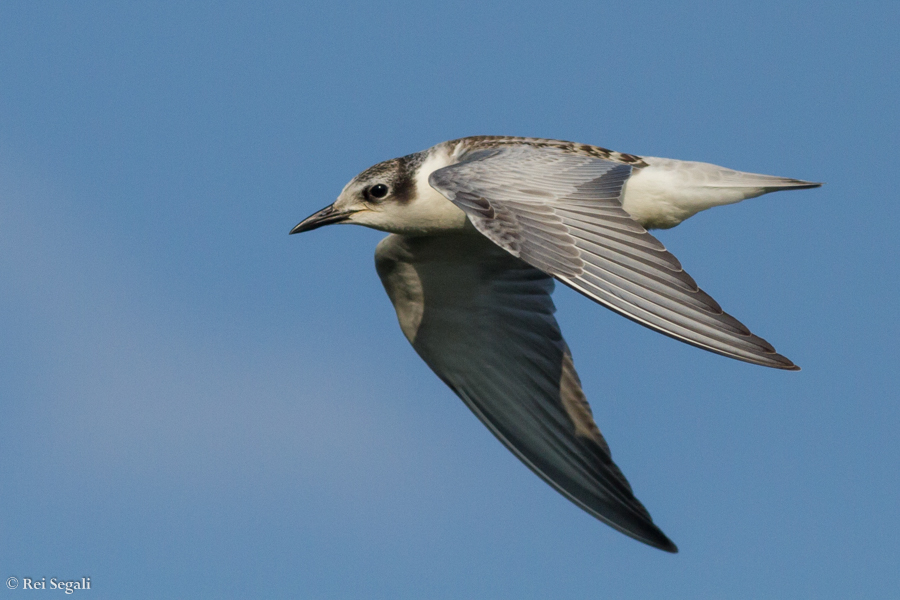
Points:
(666, 545)
(671, 548)
(784, 363)
(771, 359)
(650, 535)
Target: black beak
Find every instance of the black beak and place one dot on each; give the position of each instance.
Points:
(326, 216)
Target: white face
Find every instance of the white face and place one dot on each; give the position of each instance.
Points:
(394, 196)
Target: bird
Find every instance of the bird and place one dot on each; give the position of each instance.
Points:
(481, 227)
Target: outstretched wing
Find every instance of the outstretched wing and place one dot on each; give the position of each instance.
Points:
(561, 212)
(483, 321)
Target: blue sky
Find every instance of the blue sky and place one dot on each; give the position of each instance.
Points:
(195, 404)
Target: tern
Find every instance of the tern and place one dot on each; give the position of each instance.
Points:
(479, 229)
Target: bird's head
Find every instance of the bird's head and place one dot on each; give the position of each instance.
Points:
(392, 196)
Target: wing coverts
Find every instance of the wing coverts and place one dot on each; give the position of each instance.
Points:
(561, 213)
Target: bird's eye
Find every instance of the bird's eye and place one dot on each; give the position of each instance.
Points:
(378, 190)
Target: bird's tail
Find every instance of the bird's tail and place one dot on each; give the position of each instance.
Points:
(668, 191)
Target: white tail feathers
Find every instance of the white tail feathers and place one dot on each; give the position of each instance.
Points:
(668, 191)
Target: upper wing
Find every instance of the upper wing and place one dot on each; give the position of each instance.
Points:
(561, 212)
(483, 321)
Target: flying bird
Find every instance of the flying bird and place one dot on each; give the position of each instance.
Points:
(479, 229)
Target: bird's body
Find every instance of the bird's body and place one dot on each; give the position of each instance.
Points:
(482, 225)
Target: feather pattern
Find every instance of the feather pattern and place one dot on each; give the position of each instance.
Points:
(561, 212)
(483, 322)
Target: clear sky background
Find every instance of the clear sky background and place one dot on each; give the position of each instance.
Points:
(195, 404)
